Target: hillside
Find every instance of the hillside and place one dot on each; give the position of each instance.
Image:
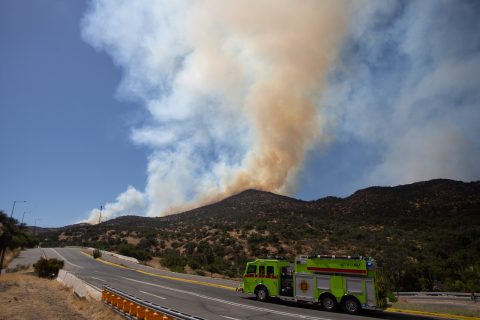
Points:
(425, 235)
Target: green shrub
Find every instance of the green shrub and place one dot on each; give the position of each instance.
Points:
(48, 268)
(96, 253)
(391, 297)
(200, 273)
(132, 251)
(173, 260)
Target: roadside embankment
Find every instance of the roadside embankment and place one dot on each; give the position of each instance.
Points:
(9, 256)
(25, 296)
(456, 309)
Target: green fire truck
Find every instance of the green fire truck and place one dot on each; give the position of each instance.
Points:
(330, 281)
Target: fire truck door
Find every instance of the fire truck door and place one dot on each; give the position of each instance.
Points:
(304, 287)
(370, 293)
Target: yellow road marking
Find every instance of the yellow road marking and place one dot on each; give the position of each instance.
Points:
(203, 283)
(86, 254)
(438, 315)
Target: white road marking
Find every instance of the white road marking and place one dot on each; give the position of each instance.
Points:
(98, 279)
(152, 294)
(73, 264)
(245, 306)
(229, 317)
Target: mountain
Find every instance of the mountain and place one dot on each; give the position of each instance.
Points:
(425, 235)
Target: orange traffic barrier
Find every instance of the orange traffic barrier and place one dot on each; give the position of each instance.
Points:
(126, 305)
(155, 316)
(148, 314)
(118, 302)
(152, 315)
(131, 309)
(140, 312)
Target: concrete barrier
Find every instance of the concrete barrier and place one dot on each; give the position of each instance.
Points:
(440, 295)
(119, 256)
(80, 287)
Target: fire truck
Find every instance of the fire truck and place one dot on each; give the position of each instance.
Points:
(331, 281)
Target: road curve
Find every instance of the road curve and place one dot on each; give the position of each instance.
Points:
(213, 299)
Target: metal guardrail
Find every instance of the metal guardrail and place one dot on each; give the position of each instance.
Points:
(132, 307)
(464, 295)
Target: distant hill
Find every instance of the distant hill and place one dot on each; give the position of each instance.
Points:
(426, 235)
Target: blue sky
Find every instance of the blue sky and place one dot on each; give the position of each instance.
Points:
(62, 133)
(134, 107)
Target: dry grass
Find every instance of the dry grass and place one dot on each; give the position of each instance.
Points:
(25, 296)
(9, 256)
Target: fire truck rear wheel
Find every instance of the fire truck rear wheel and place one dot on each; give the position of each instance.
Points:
(351, 305)
(329, 303)
(262, 294)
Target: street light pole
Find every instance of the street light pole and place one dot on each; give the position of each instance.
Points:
(23, 215)
(13, 208)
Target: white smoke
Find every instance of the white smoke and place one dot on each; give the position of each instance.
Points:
(237, 91)
(232, 89)
(130, 202)
(408, 87)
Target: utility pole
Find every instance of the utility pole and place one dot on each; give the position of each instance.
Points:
(13, 208)
(100, 217)
(35, 226)
(23, 215)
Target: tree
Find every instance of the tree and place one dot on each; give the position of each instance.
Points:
(12, 236)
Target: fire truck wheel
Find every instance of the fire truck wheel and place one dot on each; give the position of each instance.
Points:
(329, 303)
(351, 305)
(262, 294)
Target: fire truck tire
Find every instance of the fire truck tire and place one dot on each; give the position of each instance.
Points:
(329, 303)
(351, 305)
(261, 293)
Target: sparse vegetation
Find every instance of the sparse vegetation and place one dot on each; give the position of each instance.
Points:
(96, 254)
(25, 296)
(48, 268)
(133, 251)
(425, 236)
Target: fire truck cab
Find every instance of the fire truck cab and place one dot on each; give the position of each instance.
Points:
(331, 281)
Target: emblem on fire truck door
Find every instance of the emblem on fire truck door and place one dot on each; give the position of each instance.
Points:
(304, 286)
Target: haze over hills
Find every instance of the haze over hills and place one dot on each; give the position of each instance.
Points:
(425, 235)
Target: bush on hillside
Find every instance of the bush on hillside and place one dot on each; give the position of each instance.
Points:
(48, 268)
(96, 253)
(173, 260)
(135, 252)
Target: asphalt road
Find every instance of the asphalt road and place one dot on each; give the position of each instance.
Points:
(199, 296)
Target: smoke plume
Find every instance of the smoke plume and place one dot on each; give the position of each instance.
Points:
(232, 89)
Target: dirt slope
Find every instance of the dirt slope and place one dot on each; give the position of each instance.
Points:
(25, 296)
